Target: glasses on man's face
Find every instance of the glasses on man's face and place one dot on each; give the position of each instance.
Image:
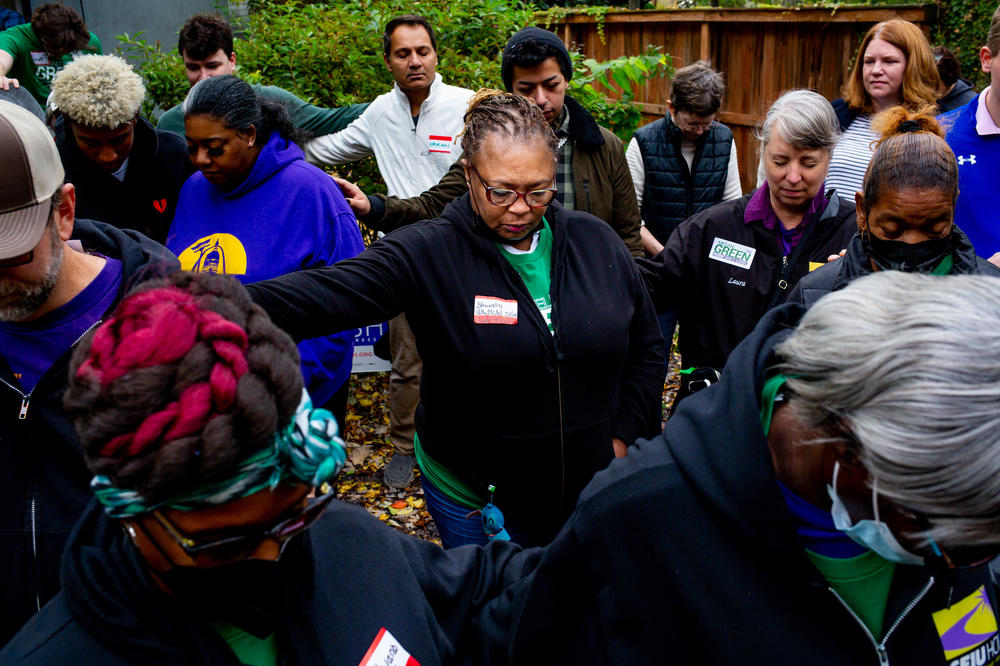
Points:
(499, 196)
(19, 260)
(687, 126)
(241, 545)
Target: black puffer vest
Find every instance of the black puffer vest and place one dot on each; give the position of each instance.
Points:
(672, 194)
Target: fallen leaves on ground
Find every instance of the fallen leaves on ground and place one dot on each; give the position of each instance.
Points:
(368, 450)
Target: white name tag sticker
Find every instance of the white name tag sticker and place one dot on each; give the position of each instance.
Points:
(493, 310)
(732, 253)
(385, 650)
(439, 144)
(40, 57)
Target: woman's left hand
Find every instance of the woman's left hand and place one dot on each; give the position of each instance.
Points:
(619, 447)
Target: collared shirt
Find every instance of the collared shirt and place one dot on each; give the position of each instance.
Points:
(564, 169)
(759, 209)
(984, 121)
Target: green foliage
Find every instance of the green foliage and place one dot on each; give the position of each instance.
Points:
(163, 72)
(626, 73)
(330, 54)
(962, 27)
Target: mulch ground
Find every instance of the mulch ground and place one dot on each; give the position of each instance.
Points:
(368, 450)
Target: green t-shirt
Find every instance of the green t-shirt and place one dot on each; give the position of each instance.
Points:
(535, 268)
(33, 67)
(444, 480)
(863, 583)
(316, 120)
(249, 649)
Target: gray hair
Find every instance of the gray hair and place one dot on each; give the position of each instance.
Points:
(802, 118)
(908, 366)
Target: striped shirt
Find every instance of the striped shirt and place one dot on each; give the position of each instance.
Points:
(851, 156)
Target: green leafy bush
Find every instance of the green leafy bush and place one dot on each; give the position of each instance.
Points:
(962, 27)
(330, 54)
(162, 71)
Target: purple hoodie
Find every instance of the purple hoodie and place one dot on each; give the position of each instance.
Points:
(286, 216)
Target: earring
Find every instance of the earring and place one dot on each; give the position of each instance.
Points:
(250, 143)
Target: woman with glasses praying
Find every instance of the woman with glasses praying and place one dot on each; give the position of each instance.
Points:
(214, 538)
(542, 356)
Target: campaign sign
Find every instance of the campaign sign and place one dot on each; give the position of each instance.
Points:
(365, 359)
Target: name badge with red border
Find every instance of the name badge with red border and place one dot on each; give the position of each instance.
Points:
(438, 144)
(385, 650)
(493, 310)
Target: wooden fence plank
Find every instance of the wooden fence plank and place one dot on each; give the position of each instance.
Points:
(762, 52)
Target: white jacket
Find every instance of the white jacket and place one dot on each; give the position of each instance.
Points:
(411, 158)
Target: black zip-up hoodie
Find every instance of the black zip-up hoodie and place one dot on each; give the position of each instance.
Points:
(684, 552)
(837, 274)
(512, 405)
(44, 485)
(344, 580)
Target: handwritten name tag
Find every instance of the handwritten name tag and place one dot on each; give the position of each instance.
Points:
(493, 310)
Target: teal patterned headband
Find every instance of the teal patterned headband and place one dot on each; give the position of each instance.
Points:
(308, 450)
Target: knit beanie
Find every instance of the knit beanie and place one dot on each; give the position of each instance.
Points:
(533, 34)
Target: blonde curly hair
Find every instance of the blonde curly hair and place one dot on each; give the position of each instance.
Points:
(101, 91)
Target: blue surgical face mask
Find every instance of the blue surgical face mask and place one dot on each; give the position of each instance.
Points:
(872, 534)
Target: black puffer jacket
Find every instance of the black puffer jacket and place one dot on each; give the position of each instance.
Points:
(722, 274)
(505, 403)
(44, 485)
(856, 263)
(684, 552)
(673, 192)
(146, 199)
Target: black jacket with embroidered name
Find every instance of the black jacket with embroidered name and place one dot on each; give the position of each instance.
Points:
(721, 273)
(44, 485)
(516, 406)
(673, 192)
(684, 552)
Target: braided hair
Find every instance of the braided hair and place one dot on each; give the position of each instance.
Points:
(513, 116)
(911, 155)
(187, 378)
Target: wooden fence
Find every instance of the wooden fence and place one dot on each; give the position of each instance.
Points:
(762, 52)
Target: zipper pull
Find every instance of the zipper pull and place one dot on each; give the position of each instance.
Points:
(23, 414)
(883, 656)
(783, 283)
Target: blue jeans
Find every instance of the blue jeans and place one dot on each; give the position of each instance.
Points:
(450, 518)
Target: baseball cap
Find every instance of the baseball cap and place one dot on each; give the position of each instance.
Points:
(31, 175)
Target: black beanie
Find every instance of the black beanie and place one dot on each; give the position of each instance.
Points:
(533, 34)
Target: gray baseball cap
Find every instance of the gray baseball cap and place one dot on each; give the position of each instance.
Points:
(32, 173)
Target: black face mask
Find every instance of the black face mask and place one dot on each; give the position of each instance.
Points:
(922, 257)
(246, 593)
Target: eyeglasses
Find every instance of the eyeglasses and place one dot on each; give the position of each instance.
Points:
(19, 260)
(241, 545)
(683, 123)
(499, 196)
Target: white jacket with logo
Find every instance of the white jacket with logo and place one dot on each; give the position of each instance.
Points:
(410, 157)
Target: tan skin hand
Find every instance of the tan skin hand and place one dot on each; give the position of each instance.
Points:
(619, 447)
(357, 199)
(6, 62)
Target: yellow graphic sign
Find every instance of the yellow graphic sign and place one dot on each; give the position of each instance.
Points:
(218, 253)
(967, 625)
